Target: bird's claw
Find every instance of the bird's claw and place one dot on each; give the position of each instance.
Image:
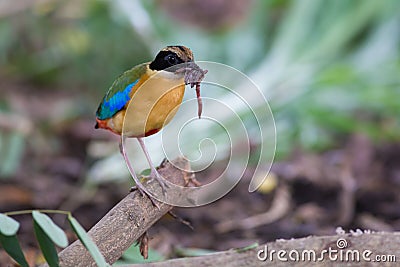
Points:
(191, 179)
(156, 176)
(143, 193)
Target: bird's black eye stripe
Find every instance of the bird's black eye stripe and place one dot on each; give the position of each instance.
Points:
(164, 60)
(171, 59)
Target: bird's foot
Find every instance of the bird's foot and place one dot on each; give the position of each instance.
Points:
(190, 179)
(140, 189)
(154, 175)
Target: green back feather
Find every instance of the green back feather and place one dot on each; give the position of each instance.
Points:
(118, 94)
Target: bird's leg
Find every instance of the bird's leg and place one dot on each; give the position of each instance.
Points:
(138, 185)
(154, 173)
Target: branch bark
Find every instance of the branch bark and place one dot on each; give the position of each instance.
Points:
(381, 243)
(135, 214)
(124, 223)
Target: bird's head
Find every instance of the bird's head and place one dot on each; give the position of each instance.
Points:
(171, 56)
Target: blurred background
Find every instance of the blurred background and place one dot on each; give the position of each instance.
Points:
(329, 69)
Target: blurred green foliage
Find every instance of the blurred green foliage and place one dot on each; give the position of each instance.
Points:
(68, 44)
(328, 68)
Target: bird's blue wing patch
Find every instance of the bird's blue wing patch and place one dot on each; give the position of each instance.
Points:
(115, 103)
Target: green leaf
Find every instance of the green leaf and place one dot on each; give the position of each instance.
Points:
(132, 255)
(249, 247)
(145, 172)
(55, 233)
(46, 245)
(12, 156)
(87, 242)
(193, 252)
(8, 226)
(12, 247)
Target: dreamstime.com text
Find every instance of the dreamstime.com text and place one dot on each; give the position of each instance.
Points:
(339, 254)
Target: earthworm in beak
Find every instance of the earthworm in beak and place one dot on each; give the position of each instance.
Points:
(193, 76)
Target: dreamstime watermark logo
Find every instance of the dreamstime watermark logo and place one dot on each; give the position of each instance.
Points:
(340, 253)
(237, 128)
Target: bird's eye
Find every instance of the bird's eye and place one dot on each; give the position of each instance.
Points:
(171, 59)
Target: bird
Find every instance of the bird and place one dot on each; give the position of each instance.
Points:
(142, 100)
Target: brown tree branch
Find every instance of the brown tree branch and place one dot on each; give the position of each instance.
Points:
(130, 218)
(124, 223)
(381, 243)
